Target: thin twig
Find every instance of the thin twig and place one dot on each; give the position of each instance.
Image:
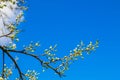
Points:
(6, 35)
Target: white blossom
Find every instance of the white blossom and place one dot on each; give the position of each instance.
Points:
(9, 12)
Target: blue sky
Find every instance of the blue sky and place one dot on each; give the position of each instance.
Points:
(66, 23)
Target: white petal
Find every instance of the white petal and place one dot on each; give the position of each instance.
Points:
(5, 41)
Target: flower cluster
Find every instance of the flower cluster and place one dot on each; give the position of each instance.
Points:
(11, 46)
(11, 14)
(64, 63)
(75, 54)
(50, 54)
(31, 47)
(32, 75)
(7, 72)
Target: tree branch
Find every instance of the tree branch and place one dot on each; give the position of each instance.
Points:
(16, 65)
(7, 35)
(47, 64)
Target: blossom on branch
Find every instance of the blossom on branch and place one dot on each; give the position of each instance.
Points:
(11, 14)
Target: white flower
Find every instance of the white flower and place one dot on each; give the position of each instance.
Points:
(4, 41)
(14, 46)
(1, 78)
(9, 13)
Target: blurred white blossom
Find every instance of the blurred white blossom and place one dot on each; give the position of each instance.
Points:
(10, 14)
(1, 78)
